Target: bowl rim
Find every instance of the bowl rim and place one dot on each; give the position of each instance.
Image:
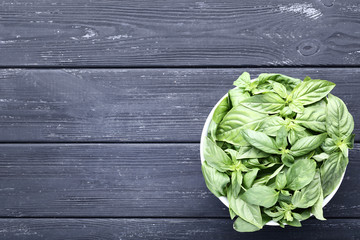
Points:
(224, 199)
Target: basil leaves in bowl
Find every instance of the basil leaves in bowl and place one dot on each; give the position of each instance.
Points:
(275, 149)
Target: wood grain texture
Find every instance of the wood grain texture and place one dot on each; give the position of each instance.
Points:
(158, 229)
(179, 33)
(124, 180)
(130, 105)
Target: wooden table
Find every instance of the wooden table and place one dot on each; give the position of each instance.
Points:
(102, 104)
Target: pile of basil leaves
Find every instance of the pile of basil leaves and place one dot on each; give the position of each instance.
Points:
(276, 147)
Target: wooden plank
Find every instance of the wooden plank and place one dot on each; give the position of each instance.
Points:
(179, 33)
(130, 105)
(123, 180)
(211, 229)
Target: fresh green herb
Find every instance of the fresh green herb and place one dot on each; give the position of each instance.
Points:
(276, 147)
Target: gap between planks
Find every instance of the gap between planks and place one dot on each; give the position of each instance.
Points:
(39, 67)
(145, 217)
(105, 142)
(97, 142)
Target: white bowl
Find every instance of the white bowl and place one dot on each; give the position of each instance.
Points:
(224, 200)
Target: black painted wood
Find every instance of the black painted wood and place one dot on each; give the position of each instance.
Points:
(179, 33)
(130, 105)
(124, 180)
(157, 229)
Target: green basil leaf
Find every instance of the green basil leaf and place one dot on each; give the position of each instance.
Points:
(280, 219)
(216, 157)
(321, 157)
(305, 214)
(307, 78)
(296, 106)
(248, 212)
(344, 149)
(286, 112)
(289, 82)
(261, 141)
(329, 146)
(287, 159)
(259, 86)
(265, 103)
(286, 206)
(317, 209)
(308, 196)
(215, 181)
(307, 144)
(221, 144)
(265, 179)
(250, 152)
(293, 223)
(273, 159)
(261, 195)
(281, 138)
(270, 125)
(311, 91)
(232, 214)
(280, 181)
(265, 218)
(285, 196)
(313, 117)
(273, 212)
(249, 178)
(297, 216)
(241, 225)
(349, 141)
(346, 144)
(236, 182)
(279, 89)
(331, 172)
(288, 217)
(339, 122)
(221, 110)
(296, 133)
(265, 88)
(243, 81)
(234, 121)
(233, 154)
(300, 174)
(253, 87)
(212, 130)
(237, 95)
(254, 163)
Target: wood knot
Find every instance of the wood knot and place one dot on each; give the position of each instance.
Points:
(308, 47)
(328, 3)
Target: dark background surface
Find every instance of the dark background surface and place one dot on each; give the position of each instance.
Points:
(102, 104)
